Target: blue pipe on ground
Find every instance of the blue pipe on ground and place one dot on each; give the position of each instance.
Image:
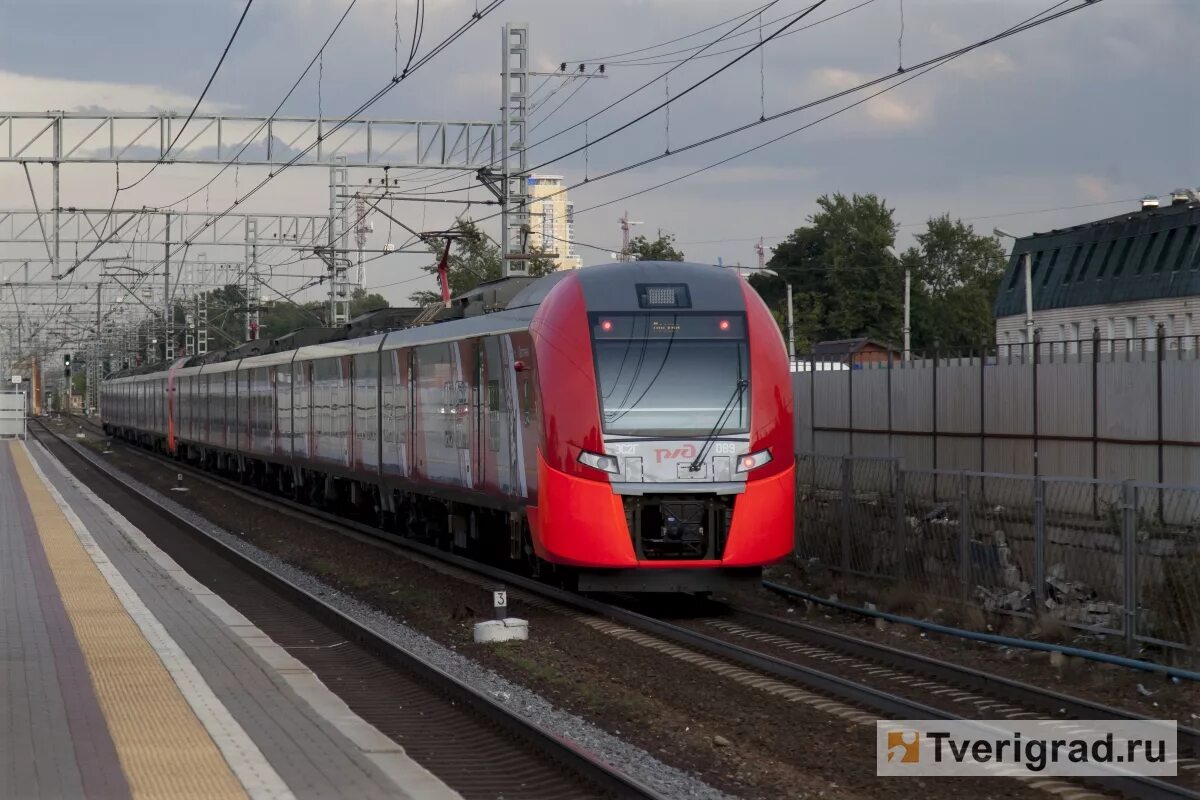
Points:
(1028, 644)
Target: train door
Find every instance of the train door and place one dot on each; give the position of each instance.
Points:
(478, 473)
(441, 404)
(365, 400)
(526, 408)
(282, 377)
(502, 450)
(227, 388)
(205, 409)
(346, 430)
(395, 404)
(302, 411)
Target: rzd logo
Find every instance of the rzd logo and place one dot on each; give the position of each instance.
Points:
(904, 747)
(687, 451)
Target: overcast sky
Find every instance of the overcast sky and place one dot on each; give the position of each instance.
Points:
(1099, 106)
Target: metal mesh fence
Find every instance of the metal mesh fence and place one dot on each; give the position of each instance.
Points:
(1112, 558)
(1166, 522)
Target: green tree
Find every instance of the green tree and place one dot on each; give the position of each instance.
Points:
(845, 281)
(361, 302)
(474, 259)
(863, 279)
(956, 273)
(280, 317)
(660, 249)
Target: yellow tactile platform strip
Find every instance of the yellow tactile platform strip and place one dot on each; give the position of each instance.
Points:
(164, 749)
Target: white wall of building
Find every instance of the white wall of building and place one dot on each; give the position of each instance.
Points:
(1179, 316)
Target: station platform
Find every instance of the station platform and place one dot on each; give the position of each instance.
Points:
(122, 677)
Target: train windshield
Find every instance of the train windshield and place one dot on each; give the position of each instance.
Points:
(672, 375)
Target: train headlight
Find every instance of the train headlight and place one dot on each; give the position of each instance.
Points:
(601, 462)
(754, 460)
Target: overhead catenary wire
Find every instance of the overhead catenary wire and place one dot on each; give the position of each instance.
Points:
(262, 126)
(582, 82)
(912, 73)
(379, 94)
(691, 35)
(665, 75)
(199, 100)
(796, 18)
(665, 58)
(916, 71)
(586, 120)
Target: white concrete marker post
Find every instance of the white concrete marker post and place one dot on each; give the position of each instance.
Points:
(178, 487)
(503, 628)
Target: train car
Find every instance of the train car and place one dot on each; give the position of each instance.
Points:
(627, 425)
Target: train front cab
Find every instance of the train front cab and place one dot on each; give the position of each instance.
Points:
(667, 460)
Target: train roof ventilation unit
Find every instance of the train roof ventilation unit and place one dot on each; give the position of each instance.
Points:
(381, 321)
(1149, 203)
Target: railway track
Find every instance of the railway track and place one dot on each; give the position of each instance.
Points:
(472, 742)
(884, 662)
(791, 655)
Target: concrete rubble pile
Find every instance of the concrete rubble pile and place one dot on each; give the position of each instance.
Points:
(1068, 600)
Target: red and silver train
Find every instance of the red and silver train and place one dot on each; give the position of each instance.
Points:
(629, 424)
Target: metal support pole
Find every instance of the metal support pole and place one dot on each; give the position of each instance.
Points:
(168, 311)
(791, 326)
(54, 167)
(1129, 562)
(891, 443)
(1027, 263)
(983, 357)
(812, 401)
(250, 283)
(934, 416)
(202, 323)
(339, 291)
(1095, 421)
(901, 523)
(98, 367)
(907, 313)
(964, 535)
(1160, 344)
(850, 406)
(1034, 381)
(847, 491)
(1039, 545)
(514, 110)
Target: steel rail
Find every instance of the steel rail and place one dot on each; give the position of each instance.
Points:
(1024, 694)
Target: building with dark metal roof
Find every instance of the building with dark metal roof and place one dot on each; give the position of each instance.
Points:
(1125, 275)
